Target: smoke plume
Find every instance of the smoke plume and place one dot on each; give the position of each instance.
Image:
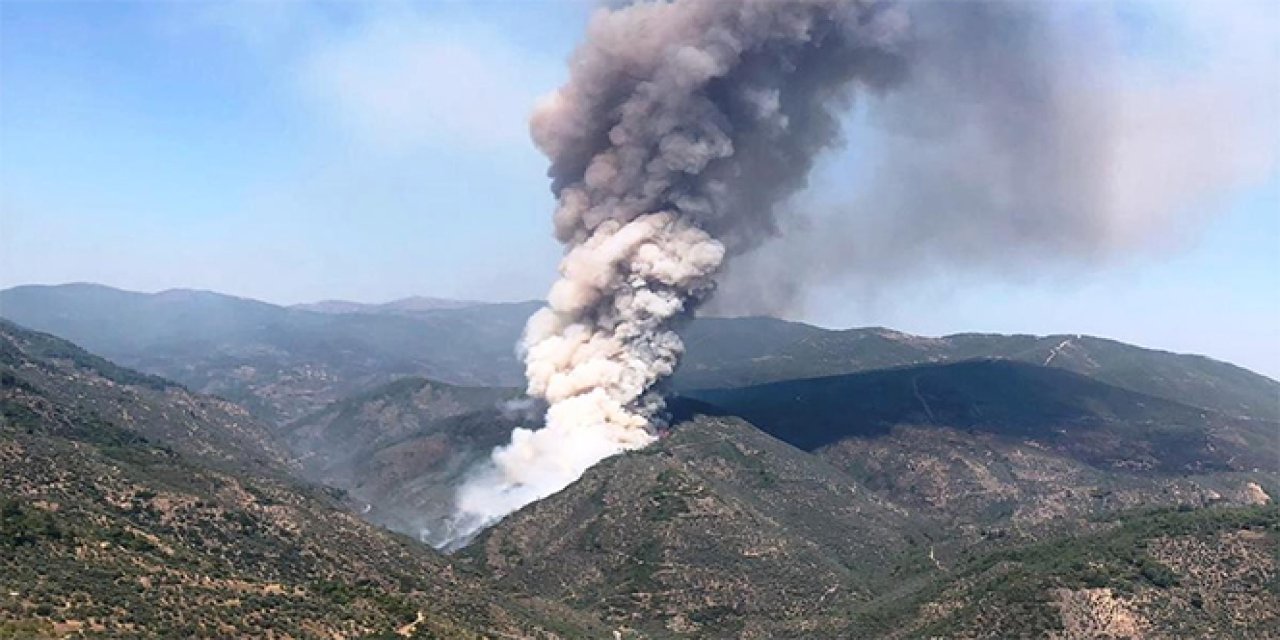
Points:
(683, 125)
(1030, 139)
(686, 127)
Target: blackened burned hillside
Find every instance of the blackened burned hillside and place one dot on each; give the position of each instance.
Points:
(1098, 422)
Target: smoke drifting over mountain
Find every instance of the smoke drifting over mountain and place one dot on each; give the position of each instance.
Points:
(1032, 137)
(687, 125)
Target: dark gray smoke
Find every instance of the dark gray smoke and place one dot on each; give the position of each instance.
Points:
(1033, 136)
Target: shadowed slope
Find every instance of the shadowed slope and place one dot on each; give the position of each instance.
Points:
(284, 363)
(1096, 422)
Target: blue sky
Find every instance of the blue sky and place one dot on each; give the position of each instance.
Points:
(295, 151)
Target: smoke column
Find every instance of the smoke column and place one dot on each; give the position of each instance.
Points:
(682, 127)
(687, 125)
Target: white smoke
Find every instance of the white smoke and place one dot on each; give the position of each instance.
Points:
(682, 126)
(596, 367)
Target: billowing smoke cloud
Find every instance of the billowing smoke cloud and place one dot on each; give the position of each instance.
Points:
(1033, 138)
(688, 125)
(683, 126)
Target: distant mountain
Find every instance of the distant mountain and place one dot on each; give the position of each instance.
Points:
(284, 363)
(1095, 422)
(121, 516)
(410, 305)
(281, 363)
(745, 351)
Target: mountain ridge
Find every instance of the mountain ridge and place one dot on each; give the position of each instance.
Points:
(408, 305)
(1005, 397)
(285, 363)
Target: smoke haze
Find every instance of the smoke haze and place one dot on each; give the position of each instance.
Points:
(1033, 137)
(1008, 133)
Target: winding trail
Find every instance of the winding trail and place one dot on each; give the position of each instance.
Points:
(915, 388)
(1054, 351)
